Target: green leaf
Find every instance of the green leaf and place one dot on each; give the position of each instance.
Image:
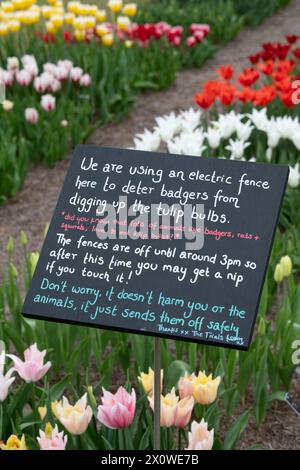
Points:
(107, 444)
(176, 370)
(57, 390)
(236, 430)
(280, 395)
(144, 442)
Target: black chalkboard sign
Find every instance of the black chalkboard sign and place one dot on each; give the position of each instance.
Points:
(159, 244)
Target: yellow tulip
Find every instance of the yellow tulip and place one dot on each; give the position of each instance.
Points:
(14, 443)
(123, 22)
(286, 265)
(19, 4)
(69, 18)
(173, 411)
(42, 412)
(57, 21)
(102, 30)
(7, 7)
(79, 34)
(90, 22)
(147, 380)
(46, 12)
(205, 388)
(100, 15)
(52, 2)
(278, 273)
(128, 43)
(14, 26)
(50, 27)
(130, 9)
(74, 418)
(72, 7)
(108, 39)
(92, 10)
(3, 29)
(115, 5)
(80, 10)
(79, 23)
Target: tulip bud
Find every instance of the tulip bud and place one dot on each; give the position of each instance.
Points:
(10, 245)
(23, 238)
(262, 327)
(46, 230)
(278, 274)
(286, 265)
(32, 262)
(42, 410)
(13, 270)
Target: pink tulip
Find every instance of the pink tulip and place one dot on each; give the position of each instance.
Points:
(6, 77)
(186, 386)
(50, 68)
(31, 115)
(199, 35)
(62, 73)
(76, 74)
(47, 78)
(39, 85)
(28, 59)
(33, 368)
(85, 80)
(173, 411)
(32, 69)
(51, 439)
(48, 102)
(23, 77)
(191, 41)
(117, 411)
(55, 86)
(200, 438)
(5, 379)
(68, 64)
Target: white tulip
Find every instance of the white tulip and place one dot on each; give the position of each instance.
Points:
(237, 148)
(5, 380)
(190, 119)
(259, 118)
(149, 141)
(12, 63)
(269, 154)
(168, 126)
(294, 176)
(244, 130)
(273, 137)
(213, 137)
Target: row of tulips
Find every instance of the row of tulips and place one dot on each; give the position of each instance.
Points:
(272, 81)
(142, 55)
(117, 411)
(265, 372)
(42, 104)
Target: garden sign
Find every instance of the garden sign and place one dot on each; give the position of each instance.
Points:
(167, 245)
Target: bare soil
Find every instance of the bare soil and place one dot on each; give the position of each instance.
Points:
(31, 209)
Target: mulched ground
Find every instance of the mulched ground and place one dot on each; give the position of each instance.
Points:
(32, 208)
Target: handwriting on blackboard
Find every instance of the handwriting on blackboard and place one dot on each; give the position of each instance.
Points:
(116, 254)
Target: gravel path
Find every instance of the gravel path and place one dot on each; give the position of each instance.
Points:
(32, 208)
